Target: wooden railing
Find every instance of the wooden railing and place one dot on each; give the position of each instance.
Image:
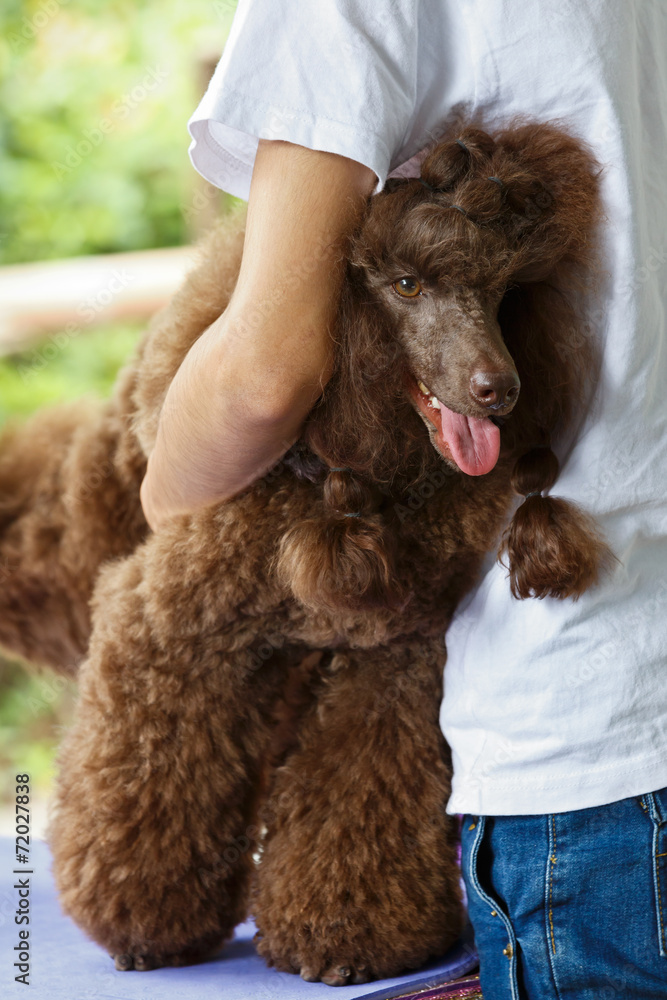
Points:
(36, 299)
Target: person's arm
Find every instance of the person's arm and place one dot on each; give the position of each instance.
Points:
(239, 398)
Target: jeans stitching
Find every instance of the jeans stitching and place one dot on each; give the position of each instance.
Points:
(548, 901)
(661, 919)
(552, 863)
(472, 872)
(655, 816)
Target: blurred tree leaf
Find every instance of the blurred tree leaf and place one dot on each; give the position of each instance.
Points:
(93, 140)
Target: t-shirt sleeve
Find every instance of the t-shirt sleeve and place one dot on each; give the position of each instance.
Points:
(336, 75)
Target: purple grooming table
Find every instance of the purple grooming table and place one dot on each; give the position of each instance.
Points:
(65, 965)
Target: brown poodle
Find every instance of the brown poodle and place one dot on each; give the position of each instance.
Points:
(207, 727)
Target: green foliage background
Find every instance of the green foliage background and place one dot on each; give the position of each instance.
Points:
(35, 706)
(66, 65)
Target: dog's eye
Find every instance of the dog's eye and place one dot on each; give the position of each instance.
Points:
(407, 287)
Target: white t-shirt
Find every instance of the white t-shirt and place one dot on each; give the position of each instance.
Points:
(549, 705)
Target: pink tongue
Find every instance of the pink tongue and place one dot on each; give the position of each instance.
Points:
(473, 441)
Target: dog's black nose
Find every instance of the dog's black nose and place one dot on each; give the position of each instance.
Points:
(495, 390)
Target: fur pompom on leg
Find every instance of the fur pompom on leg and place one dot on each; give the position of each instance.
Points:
(342, 562)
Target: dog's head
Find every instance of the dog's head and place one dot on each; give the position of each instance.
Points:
(456, 369)
(435, 258)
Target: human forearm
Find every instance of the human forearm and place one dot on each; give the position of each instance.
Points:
(241, 394)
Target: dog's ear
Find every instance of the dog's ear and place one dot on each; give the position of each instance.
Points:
(552, 547)
(341, 556)
(551, 184)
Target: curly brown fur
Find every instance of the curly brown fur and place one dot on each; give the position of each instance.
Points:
(69, 501)
(378, 863)
(164, 761)
(70, 478)
(362, 541)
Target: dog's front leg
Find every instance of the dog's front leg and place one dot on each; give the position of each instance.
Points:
(359, 877)
(155, 824)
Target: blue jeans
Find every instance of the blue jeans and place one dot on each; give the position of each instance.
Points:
(571, 906)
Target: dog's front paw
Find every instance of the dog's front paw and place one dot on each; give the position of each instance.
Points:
(142, 961)
(341, 952)
(337, 975)
(342, 967)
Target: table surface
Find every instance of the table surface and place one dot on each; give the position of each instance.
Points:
(65, 965)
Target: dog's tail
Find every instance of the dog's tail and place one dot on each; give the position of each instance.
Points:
(342, 556)
(64, 509)
(551, 546)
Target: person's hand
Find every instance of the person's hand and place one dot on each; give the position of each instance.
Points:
(240, 397)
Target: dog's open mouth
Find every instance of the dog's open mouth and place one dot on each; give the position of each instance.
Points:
(472, 443)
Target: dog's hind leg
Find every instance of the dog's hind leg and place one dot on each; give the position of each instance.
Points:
(359, 877)
(155, 821)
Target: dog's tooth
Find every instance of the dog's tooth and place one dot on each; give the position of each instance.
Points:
(422, 388)
(435, 402)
